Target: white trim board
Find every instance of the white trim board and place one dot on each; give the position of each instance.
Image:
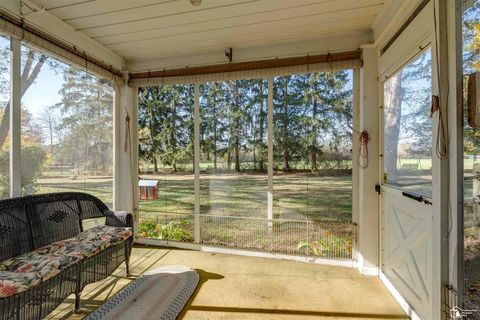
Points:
(205, 248)
(397, 295)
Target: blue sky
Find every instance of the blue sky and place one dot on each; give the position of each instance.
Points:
(44, 92)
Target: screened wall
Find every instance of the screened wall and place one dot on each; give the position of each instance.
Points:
(274, 163)
(66, 126)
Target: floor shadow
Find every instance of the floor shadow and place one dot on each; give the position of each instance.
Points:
(204, 277)
(296, 312)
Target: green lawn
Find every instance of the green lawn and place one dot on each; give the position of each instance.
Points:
(99, 186)
(295, 196)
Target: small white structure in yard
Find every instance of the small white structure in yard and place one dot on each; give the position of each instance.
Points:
(147, 189)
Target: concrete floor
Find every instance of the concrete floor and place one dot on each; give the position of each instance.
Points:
(237, 287)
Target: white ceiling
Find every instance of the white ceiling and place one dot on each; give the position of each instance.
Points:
(140, 30)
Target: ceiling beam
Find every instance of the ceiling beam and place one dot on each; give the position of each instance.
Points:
(249, 65)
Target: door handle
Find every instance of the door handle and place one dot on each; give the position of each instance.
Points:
(416, 197)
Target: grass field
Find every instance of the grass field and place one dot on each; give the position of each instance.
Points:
(99, 186)
(295, 196)
(307, 206)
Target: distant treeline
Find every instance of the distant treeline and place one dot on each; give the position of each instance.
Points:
(312, 124)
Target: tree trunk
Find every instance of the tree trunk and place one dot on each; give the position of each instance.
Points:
(27, 80)
(254, 158)
(314, 149)
(155, 164)
(393, 116)
(229, 157)
(237, 155)
(50, 127)
(237, 132)
(261, 129)
(286, 151)
(173, 140)
(215, 146)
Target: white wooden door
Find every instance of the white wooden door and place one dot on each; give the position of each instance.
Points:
(407, 250)
(407, 181)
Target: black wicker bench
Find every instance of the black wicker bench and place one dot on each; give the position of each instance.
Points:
(46, 255)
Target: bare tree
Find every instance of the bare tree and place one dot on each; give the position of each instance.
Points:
(32, 67)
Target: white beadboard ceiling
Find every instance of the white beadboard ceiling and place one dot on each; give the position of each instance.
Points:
(141, 30)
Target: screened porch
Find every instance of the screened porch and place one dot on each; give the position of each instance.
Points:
(327, 141)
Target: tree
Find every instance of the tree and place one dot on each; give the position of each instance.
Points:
(471, 61)
(259, 111)
(166, 124)
(50, 121)
(407, 97)
(33, 156)
(288, 112)
(86, 113)
(32, 63)
(328, 116)
(212, 127)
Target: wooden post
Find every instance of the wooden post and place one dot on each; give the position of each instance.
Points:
(270, 154)
(15, 117)
(196, 151)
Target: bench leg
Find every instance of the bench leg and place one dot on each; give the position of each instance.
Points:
(78, 291)
(77, 302)
(127, 260)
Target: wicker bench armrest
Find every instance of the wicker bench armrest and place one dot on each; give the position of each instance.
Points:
(119, 219)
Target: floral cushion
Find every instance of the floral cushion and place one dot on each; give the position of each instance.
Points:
(38, 263)
(89, 242)
(77, 248)
(13, 282)
(105, 233)
(29, 269)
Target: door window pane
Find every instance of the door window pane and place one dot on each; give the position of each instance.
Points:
(408, 126)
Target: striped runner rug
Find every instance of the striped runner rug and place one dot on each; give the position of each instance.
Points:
(158, 294)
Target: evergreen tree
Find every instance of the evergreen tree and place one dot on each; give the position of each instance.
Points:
(166, 125)
(288, 113)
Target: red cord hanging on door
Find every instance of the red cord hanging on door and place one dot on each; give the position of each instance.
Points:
(363, 156)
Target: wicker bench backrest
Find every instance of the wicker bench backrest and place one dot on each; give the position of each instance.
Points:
(29, 222)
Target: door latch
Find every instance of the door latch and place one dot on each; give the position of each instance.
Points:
(378, 189)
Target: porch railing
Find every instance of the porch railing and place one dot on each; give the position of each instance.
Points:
(311, 238)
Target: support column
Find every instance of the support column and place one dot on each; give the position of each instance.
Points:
(447, 222)
(356, 153)
(455, 119)
(15, 116)
(368, 199)
(270, 150)
(117, 141)
(125, 150)
(196, 151)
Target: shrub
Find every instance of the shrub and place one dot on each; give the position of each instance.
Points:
(173, 230)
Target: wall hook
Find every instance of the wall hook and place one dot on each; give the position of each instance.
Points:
(229, 54)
